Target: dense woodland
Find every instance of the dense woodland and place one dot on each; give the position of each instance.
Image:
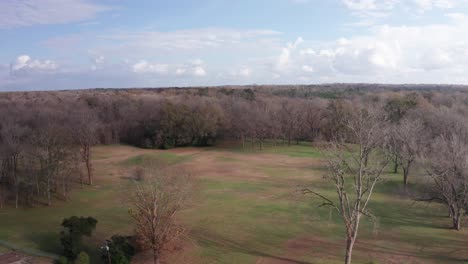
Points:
(46, 137)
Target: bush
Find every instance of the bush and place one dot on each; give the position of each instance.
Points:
(118, 257)
(82, 258)
(121, 250)
(139, 174)
(123, 244)
(61, 260)
(75, 229)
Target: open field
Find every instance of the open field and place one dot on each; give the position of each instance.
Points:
(247, 211)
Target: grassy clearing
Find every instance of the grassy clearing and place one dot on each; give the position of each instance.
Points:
(168, 157)
(237, 218)
(302, 149)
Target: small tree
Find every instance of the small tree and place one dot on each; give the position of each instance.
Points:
(155, 204)
(75, 229)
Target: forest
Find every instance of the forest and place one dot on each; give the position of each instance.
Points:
(363, 132)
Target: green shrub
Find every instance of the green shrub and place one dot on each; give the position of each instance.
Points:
(75, 229)
(61, 260)
(82, 258)
(118, 257)
(121, 250)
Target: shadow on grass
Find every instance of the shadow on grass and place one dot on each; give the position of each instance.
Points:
(47, 242)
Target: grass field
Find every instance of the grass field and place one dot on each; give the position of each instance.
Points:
(246, 211)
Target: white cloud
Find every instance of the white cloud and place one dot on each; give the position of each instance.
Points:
(284, 59)
(146, 67)
(18, 13)
(242, 71)
(192, 68)
(25, 63)
(199, 71)
(307, 68)
(245, 72)
(98, 62)
(181, 71)
(372, 8)
(387, 54)
(197, 62)
(206, 38)
(307, 52)
(381, 8)
(424, 5)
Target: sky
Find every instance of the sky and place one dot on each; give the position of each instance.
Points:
(74, 44)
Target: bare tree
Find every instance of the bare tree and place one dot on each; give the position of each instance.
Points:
(408, 138)
(357, 167)
(448, 169)
(155, 202)
(84, 131)
(51, 149)
(313, 115)
(290, 117)
(12, 137)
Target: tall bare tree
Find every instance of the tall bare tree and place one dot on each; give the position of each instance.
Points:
(84, 131)
(155, 204)
(52, 147)
(448, 169)
(354, 170)
(12, 138)
(407, 138)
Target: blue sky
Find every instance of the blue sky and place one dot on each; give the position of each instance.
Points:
(71, 44)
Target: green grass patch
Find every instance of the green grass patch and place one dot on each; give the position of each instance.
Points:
(239, 219)
(168, 157)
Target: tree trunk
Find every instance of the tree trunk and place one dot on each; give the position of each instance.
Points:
(349, 249)
(395, 165)
(405, 175)
(243, 141)
(90, 172)
(155, 257)
(15, 176)
(87, 160)
(456, 219)
(49, 200)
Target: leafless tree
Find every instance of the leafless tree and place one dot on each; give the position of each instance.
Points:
(448, 169)
(290, 118)
(357, 167)
(51, 148)
(155, 204)
(313, 116)
(84, 131)
(407, 139)
(12, 138)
